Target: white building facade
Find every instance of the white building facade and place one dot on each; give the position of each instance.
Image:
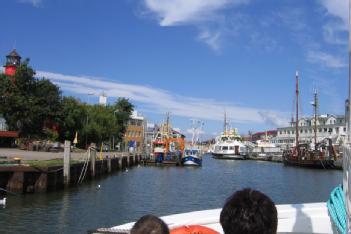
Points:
(3, 126)
(328, 126)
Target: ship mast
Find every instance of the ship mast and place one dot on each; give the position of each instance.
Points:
(297, 111)
(315, 119)
(225, 123)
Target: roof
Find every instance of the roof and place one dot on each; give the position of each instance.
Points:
(13, 53)
(11, 134)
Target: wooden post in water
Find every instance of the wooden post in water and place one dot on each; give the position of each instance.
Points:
(66, 163)
(109, 164)
(92, 154)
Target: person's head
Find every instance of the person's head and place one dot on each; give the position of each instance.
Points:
(249, 211)
(150, 224)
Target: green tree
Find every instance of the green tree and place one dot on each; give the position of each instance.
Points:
(29, 104)
(107, 124)
(73, 119)
(122, 109)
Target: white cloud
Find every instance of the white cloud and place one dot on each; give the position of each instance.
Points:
(35, 3)
(334, 29)
(339, 9)
(203, 14)
(326, 59)
(160, 101)
(175, 12)
(212, 39)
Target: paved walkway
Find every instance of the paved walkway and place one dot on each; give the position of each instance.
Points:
(35, 155)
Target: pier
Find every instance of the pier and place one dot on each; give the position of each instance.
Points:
(20, 178)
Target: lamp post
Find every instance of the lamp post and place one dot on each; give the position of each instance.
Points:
(87, 120)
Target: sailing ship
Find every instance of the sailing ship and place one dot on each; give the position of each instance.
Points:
(320, 154)
(192, 153)
(168, 144)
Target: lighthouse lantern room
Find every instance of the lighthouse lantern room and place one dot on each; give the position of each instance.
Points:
(13, 60)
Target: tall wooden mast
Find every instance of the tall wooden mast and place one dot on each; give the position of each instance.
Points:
(315, 109)
(297, 110)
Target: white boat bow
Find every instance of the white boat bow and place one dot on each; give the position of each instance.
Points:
(298, 218)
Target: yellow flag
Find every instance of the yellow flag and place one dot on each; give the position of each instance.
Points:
(75, 141)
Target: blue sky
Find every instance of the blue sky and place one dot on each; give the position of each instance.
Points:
(194, 58)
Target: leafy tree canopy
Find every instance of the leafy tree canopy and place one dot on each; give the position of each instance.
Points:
(28, 104)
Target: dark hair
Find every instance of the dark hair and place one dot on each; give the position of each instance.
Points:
(249, 211)
(150, 224)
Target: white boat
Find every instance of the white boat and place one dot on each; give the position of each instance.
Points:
(192, 154)
(3, 202)
(229, 146)
(296, 218)
(265, 149)
(192, 157)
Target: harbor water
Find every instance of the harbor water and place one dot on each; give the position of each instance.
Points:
(125, 196)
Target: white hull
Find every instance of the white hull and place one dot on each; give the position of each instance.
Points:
(227, 156)
(299, 218)
(190, 163)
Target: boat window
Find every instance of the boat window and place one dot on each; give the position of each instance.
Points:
(225, 148)
(231, 147)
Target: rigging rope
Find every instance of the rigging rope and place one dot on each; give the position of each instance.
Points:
(336, 208)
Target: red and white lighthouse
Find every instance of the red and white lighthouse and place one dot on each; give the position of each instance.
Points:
(13, 60)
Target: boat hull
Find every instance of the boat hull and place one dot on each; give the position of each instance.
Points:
(318, 164)
(228, 156)
(191, 161)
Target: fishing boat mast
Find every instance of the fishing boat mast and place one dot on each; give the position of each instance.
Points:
(297, 113)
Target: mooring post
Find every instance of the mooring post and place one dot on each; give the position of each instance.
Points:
(128, 160)
(109, 164)
(66, 163)
(120, 159)
(92, 151)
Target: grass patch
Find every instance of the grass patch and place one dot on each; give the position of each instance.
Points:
(48, 163)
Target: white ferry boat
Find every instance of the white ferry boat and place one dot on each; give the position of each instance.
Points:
(229, 146)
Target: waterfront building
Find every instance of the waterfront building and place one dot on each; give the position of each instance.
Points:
(133, 140)
(328, 126)
(103, 99)
(3, 126)
(149, 135)
(265, 135)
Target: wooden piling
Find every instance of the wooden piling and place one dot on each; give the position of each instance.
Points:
(109, 165)
(41, 183)
(66, 163)
(92, 155)
(15, 184)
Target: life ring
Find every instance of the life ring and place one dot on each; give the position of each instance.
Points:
(193, 229)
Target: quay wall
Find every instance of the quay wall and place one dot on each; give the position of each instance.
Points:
(25, 179)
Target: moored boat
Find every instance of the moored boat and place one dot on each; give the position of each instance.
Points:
(168, 145)
(320, 155)
(192, 157)
(192, 154)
